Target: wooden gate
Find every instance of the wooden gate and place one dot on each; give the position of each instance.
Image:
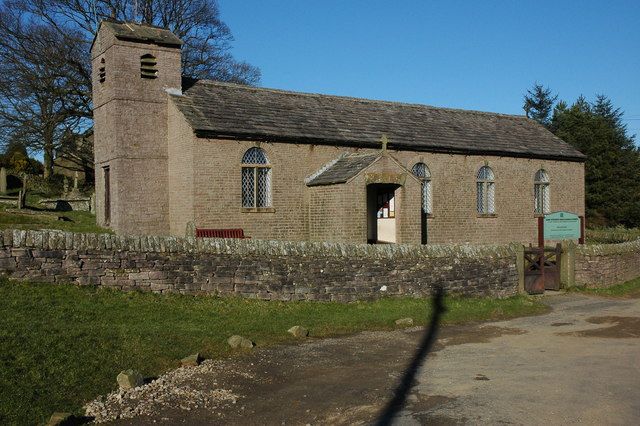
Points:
(542, 269)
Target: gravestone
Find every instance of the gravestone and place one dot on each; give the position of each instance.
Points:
(75, 192)
(22, 195)
(3, 180)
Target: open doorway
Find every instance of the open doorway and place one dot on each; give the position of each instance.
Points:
(381, 213)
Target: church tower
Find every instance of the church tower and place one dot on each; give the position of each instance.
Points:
(134, 68)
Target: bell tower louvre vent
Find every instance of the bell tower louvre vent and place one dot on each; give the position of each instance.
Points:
(148, 66)
(102, 72)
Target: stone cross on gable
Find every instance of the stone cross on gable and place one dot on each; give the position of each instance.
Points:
(384, 141)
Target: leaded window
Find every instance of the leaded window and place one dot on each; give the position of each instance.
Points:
(486, 191)
(256, 179)
(541, 197)
(421, 171)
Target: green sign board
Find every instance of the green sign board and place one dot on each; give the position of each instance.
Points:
(561, 226)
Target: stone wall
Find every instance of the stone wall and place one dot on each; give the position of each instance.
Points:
(216, 193)
(78, 204)
(257, 269)
(604, 265)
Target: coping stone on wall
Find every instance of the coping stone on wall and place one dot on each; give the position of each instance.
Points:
(287, 268)
(609, 249)
(60, 240)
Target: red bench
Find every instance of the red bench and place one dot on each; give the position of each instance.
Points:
(220, 233)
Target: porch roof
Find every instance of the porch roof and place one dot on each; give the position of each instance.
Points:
(342, 169)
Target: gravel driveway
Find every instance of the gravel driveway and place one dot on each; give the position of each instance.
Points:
(580, 363)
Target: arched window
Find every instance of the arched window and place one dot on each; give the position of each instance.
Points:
(421, 171)
(256, 179)
(486, 195)
(148, 66)
(541, 192)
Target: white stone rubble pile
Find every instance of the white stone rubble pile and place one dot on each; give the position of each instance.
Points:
(185, 388)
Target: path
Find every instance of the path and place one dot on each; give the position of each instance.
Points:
(579, 363)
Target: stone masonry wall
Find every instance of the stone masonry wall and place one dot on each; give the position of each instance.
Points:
(217, 193)
(257, 269)
(131, 132)
(604, 265)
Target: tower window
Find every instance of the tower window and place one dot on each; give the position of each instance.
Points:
(148, 66)
(102, 71)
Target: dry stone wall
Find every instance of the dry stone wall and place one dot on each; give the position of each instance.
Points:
(603, 265)
(272, 270)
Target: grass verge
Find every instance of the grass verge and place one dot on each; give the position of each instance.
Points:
(31, 218)
(62, 345)
(612, 235)
(628, 289)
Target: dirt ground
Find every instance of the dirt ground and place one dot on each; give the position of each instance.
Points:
(579, 363)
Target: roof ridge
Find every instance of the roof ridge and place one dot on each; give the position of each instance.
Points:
(353, 98)
(137, 24)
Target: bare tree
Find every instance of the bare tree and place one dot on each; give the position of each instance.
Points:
(44, 90)
(206, 52)
(44, 57)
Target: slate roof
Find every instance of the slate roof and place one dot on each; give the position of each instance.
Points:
(144, 33)
(224, 110)
(342, 169)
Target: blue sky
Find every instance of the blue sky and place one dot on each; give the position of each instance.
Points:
(479, 55)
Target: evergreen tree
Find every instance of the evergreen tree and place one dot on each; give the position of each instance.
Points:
(538, 103)
(612, 169)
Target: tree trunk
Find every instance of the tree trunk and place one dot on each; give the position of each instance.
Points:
(47, 149)
(48, 165)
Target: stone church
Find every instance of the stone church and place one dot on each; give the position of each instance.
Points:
(174, 154)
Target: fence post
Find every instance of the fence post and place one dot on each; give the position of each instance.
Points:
(568, 264)
(541, 231)
(519, 248)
